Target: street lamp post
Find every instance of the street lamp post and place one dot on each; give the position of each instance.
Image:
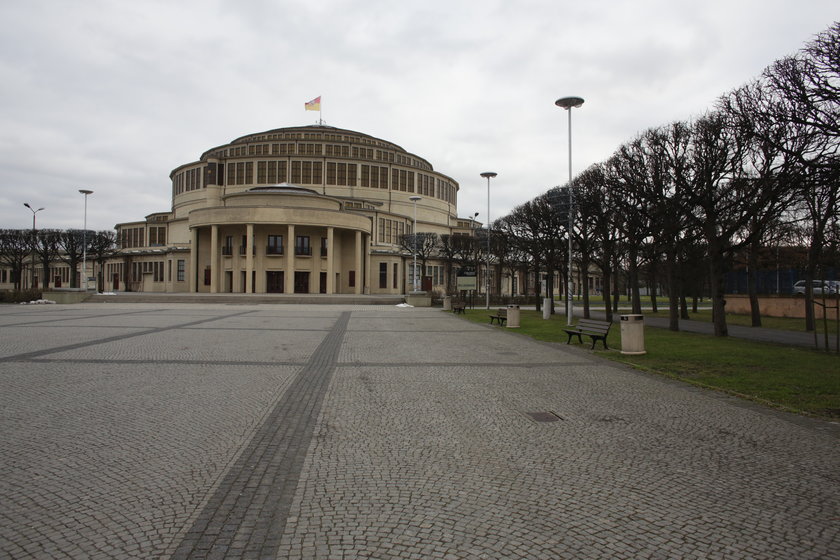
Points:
(488, 175)
(414, 199)
(32, 285)
(85, 192)
(568, 103)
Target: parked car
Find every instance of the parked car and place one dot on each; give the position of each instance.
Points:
(819, 288)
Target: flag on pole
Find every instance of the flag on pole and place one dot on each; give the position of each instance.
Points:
(314, 105)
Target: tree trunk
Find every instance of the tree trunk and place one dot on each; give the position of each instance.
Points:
(674, 294)
(752, 285)
(652, 286)
(584, 266)
(607, 296)
(718, 285)
(633, 278)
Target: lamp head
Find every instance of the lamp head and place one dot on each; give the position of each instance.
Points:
(85, 192)
(415, 198)
(569, 102)
(489, 174)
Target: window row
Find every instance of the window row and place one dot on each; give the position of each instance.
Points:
(390, 231)
(132, 237)
(272, 172)
(189, 180)
(274, 246)
(155, 268)
(157, 236)
(329, 150)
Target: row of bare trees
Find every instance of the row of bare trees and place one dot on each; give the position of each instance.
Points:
(680, 204)
(46, 247)
(685, 200)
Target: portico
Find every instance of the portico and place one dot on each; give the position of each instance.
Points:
(273, 240)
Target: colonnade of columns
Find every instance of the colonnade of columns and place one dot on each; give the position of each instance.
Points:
(361, 261)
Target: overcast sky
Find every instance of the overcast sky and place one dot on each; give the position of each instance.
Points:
(112, 95)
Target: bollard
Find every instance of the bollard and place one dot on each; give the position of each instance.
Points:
(546, 308)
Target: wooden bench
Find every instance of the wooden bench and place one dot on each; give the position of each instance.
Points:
(500, 316)
(594, 329)
(458, 308)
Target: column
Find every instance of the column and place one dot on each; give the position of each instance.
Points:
(367, 264)
(214, 259)
(330, 261)
(359, 277)
(193, 272)
(289, 276)
(249, 259)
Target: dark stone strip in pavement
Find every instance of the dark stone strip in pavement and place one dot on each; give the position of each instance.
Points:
(464, 364)
(77, 317)
(27, 356)
(256, 329)
(165, 362)
(247, 513)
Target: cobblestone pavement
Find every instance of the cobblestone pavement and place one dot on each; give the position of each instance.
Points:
(243, 431)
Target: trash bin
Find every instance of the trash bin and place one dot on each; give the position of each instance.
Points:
(546, 308)
(513, 316)
(633, 334)
(447, 303)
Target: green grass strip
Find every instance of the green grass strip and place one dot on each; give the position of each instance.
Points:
(791, 378)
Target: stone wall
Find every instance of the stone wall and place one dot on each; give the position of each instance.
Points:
(775, 306)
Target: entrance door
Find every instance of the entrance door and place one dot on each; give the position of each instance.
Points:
(301, 282)
(116, 282)
(229, 281)
(322, 283)
(274, 281)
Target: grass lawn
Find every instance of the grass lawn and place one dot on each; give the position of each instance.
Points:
(795, 379)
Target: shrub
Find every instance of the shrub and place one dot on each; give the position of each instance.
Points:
(18, 296)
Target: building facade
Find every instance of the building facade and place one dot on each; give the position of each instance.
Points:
(311, 209)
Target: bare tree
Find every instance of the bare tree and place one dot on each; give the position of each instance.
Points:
(590, 213)
(804, 98)
(47, 250)
(72, 248)
(455, 250)
(103, 245)
(424, 244)
(15, 246)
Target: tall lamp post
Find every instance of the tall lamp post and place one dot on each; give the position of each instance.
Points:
(84, 240)
(488, 175)
(32, 285)
(414, 199)
(568, 103)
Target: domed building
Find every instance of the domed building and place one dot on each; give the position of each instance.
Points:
(310, 209)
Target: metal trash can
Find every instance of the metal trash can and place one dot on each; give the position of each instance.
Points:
(633, 334)
(513, 316)
(447, 303)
